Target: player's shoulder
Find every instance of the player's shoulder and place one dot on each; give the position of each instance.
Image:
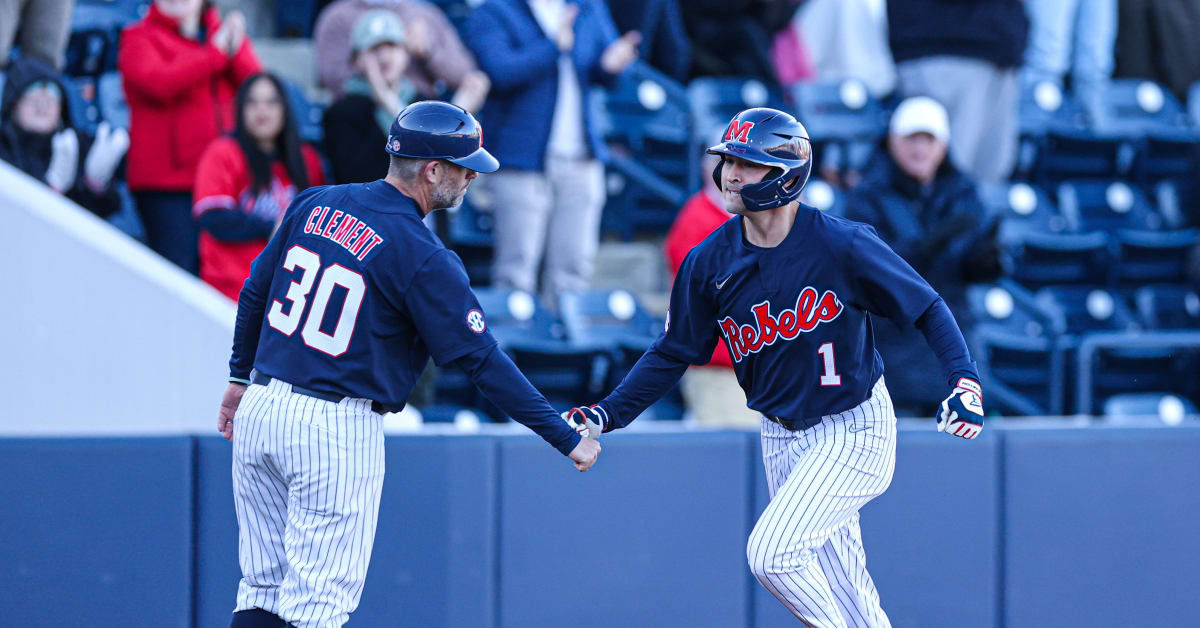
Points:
(720, 242)
(837, 229)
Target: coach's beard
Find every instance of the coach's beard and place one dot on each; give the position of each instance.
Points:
(445, 197)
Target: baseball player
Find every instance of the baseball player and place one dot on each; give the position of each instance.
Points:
(339, 316)
(792, 291)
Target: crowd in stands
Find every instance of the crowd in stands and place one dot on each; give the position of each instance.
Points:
(964, 125)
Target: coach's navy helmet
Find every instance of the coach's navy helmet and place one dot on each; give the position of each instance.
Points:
(433, 129)
(768, 137)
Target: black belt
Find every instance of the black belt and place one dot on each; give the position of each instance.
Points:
(263, 380)
(797, 425)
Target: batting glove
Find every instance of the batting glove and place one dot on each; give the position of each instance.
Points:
(586, 420)
(962, 412)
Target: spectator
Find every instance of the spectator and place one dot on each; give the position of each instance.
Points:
(373, 97)
(712, 393)
(36, 137)
(825, 27)
(246, 181)
(39, 27)
(438, 60)
(734, 37)
(543, 56)
(181, 65)
(930, 214)
(1157, 40)
(665, 44)
(1075, 37)
(965, 55)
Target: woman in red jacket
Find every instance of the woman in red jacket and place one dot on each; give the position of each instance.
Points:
(246, 181)
(711, 392)
(181, 66)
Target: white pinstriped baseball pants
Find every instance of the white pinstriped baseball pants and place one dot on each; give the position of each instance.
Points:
(307, 477)
(806, 548)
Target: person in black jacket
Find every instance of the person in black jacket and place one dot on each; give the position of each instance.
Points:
(733, 37)
(373, 96)
(967, 56)
(930, 214)
(37, 137)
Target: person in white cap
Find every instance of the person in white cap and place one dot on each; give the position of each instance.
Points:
(928, 212)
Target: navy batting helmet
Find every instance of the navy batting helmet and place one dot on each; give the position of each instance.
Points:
(768, 137)
(432, 129)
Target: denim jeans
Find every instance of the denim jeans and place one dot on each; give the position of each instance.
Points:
(1073, 37)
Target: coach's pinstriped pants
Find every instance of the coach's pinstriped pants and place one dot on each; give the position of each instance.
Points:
(307, 477)
(806, 548)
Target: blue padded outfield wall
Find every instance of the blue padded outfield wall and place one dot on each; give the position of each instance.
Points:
(1024, 527)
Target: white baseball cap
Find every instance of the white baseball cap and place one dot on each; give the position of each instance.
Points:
(920, 114)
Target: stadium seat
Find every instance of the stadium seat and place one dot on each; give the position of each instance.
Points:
(1137, 108)
(1193, 104)
(716, 100)
(1168, 307)
(471, 238)
(110, 96)
(1089, 308)
(90, 52)
(1016, 342)
(820, 195)
(81, 97)
(611, 316)
(308, 114)
(1111, 364)
(1036, 239)
(1168, 407)
(843, 119)
(1106, 205)
(517, 316)
(1152, 256)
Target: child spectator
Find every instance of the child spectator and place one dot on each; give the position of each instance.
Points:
(374, 95)
(439, 63)
(246, 181)
(181, 66)
(36, 137)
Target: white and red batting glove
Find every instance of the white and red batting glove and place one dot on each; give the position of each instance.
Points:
(961, 413)
(587, 421)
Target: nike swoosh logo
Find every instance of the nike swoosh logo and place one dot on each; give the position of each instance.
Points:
(858, 428)
(721, 284)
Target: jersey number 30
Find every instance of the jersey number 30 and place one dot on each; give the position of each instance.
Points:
(309, 263)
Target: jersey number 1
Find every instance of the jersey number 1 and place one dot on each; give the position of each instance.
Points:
(830, 377)
(309, 263)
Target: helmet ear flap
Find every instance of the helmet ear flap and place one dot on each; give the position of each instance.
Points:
(717, 172)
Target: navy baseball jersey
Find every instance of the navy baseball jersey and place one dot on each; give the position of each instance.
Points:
(796, 318)
(358, 294)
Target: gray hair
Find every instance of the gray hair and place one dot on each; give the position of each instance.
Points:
(406, 168)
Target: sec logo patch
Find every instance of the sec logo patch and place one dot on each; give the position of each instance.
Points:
(476, 322)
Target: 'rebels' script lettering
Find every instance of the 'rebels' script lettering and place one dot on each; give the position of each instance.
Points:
(809, 312)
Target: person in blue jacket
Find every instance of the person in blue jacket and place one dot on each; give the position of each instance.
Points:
(543, 57)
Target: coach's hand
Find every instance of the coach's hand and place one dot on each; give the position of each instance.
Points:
(586, 420)
(229, 406)
(961, 413)
(585, 453)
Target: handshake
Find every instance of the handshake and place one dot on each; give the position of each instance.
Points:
(588, 422)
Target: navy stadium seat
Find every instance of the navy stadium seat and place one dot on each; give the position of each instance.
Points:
(1106, 205)
(1015, 340)
(110, 96)
(1168, 407)
(716, 100)
(646, 123)
(613, 316)
(820, 195)
(1168, 307)
(1089, 308)
(844, 121)
(81, 98)
(307, 114)
(1036, 238)
(470, 236)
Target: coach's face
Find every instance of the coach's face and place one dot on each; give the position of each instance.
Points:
(738, 172)
(451, 184)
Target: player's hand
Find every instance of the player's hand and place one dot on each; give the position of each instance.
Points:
(585, 453)
(961, 413)
(587, 421)
(229, 406)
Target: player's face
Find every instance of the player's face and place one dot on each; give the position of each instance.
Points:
(39, 109)
(452, 185)
(919, 155)
(736, 173)
(263, 112)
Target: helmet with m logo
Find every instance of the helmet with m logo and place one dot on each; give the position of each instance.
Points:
(772, 138)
